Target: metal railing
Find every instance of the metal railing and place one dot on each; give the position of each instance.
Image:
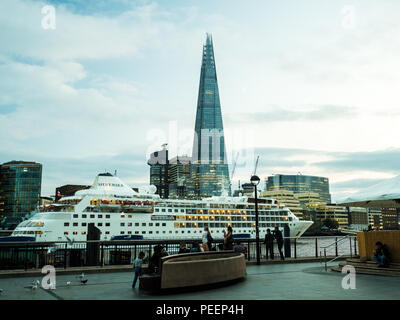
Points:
(336, 243)
(63, 254)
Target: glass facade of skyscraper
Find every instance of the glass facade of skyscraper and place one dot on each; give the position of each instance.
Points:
(300, 184)
(158, 163)
(20, 186)
(209, 174)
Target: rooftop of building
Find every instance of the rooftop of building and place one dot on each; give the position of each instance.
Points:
(20, 162)
(185, 159)
(296, 175)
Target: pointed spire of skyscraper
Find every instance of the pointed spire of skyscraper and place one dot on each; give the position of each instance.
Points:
(210, 169)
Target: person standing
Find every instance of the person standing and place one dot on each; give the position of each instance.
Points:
(209, 239)
(279, 240)
(269, 244)
(155, 260)
(204, 239)
(228, 239)
(137, 265)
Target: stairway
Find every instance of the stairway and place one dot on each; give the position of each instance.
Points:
(370, 267)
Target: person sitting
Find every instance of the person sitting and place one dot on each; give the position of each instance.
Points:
(182, 248)
(381, 255)
(238, 247)
(195, 247)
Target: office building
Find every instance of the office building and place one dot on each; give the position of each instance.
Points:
(288, 199)
(20, 187)
(159, 163)
(375, 218)
(300, 184)
(179, 176)
(358, 218)
(209, 173)
(390, 218)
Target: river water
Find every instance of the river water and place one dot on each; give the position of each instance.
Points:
(312, 247)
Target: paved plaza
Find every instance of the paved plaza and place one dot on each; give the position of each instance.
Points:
(278, 281)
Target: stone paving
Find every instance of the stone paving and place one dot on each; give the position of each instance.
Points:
(266, 282)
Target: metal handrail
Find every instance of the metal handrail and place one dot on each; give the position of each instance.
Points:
(335, 243)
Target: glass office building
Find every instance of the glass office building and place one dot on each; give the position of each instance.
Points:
(158, 163)
(300, 184)
(209, 173)
(20, 186)
(390, 218)
(179, 175)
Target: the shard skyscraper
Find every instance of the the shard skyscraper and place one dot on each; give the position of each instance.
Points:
(209, 172)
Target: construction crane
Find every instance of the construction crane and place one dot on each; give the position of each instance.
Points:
(255, 168)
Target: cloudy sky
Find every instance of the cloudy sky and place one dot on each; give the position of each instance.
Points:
(311, 87)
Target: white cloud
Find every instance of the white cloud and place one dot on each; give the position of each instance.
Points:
(98, 84)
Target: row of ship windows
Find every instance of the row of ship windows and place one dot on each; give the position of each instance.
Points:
(122, 224)
(216, 206)
(195, 225)
(222, 225)
(224, 218)
(163, 232)
(107, 216)
(178, 225)
(205, 211)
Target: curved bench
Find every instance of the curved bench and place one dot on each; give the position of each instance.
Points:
(196, 269)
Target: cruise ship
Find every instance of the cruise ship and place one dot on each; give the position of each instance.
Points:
(120, 212)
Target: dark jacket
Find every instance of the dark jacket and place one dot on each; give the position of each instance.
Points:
(269, 239)
(383, 251)
(154, 263)
(278, 236)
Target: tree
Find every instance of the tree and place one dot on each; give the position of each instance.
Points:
(314, 228)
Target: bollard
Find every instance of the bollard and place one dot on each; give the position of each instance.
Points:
(26, 257)
(336, 248)
(316, 247)
(351, 249)
(355, 245)
(102, 255)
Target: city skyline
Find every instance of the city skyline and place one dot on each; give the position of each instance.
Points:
(315, 87)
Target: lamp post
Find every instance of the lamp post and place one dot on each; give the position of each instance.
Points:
(255, 180)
